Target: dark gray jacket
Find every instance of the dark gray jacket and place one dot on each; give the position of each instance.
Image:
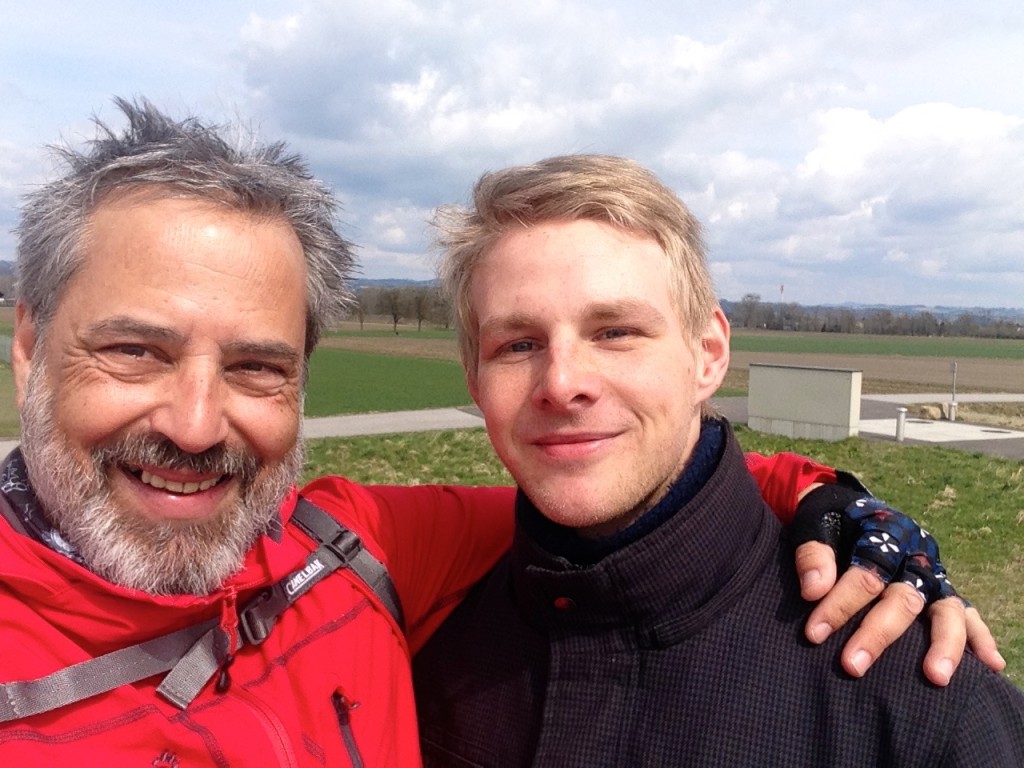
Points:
(685, 648)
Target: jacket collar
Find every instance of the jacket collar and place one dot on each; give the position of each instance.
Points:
(665, 584)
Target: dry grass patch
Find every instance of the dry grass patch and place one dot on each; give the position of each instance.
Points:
(1006, 415)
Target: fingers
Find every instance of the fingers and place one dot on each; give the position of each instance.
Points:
(949, 638)
(816, 567)
(887, 620)
(979, 637)
(855, 589)
(953, 625)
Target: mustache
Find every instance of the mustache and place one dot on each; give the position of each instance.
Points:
(153, 450)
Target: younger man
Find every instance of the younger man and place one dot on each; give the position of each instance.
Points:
(647, 612)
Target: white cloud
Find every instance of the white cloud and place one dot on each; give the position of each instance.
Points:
(867, 148)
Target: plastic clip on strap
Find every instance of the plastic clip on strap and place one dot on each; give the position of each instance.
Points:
(339, 548)
(350, 552)
(195, 668)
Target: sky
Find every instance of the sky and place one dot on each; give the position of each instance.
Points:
(835, 152)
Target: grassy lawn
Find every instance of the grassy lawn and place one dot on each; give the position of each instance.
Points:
(345, 381)
(9, 422)
(861, 344)
(974, 504)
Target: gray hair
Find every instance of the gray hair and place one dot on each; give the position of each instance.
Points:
(181, 158)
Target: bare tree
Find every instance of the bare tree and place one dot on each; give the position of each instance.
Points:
(418, 301)
(359, 307)
(391, 305)
(749, 305)
(440, 308)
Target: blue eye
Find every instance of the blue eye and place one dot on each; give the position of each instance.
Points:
(617, 333)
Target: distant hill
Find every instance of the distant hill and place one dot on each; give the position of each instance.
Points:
(389, 282)
(942, 313)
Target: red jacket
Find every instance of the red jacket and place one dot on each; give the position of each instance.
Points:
(330, 686)
(783, 477)
(351, 659)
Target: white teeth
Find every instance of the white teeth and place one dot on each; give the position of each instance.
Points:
(175, 487)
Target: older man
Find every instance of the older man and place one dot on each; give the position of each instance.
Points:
(647, 613)
(168, 597)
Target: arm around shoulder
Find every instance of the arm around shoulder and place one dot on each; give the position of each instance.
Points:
(439, 541)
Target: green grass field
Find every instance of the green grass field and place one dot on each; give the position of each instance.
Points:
(9, 422)
(859, 344)
(378, 331)
(342, 381)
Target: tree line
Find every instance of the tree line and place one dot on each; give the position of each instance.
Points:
(408, 303)
(420, 303)
(751, 312)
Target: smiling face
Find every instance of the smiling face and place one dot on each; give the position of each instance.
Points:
(589, 385)
(161, 408)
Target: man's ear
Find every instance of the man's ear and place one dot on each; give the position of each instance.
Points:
(23, 346)
(712, 356)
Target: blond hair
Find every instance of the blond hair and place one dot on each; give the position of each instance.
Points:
(603, 188)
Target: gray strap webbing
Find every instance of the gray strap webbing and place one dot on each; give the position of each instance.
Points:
(99, 675)
(194, 668)
(347, 546)
(194, 654)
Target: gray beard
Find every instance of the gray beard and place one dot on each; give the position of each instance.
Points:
(161, 558)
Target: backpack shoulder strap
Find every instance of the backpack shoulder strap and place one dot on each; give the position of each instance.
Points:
(346, 545)
(339, 548)
(23, 698)
(192, 655)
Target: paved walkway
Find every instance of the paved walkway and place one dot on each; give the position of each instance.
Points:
(878, 416)
(878, 422)
(371, 424)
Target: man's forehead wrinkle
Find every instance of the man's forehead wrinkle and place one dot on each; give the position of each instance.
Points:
(136, 327)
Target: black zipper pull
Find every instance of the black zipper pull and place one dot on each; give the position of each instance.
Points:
(223, 678)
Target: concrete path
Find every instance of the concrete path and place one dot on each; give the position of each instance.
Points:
(396, 421)
(370, 424)
(878, 416)
(878, 421)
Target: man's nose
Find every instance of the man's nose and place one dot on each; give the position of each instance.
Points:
(193, 411)
(569, 376)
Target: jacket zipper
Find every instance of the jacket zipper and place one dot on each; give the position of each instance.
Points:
(343, 707)
(229, 627)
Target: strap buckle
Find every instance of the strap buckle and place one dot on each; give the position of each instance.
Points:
(259, 616)
(345, 546)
